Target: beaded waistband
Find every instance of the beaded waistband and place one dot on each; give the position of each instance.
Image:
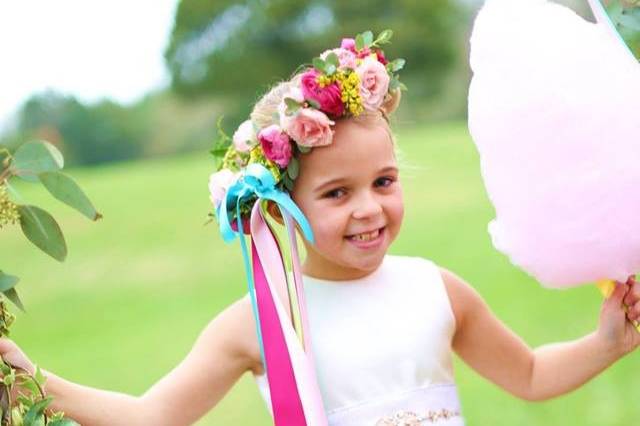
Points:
(430, 405)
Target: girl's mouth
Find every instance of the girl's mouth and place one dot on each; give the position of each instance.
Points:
(367, 240)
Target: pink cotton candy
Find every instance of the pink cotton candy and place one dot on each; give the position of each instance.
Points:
(554, 110)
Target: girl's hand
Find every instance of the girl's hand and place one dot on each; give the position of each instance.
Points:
(616, 327)
(12, 354)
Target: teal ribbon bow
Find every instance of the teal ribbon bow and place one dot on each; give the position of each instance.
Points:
(256, 180)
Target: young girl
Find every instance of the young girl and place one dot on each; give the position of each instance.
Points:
(383, 327)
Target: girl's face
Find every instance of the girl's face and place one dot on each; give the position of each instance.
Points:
(351, 195)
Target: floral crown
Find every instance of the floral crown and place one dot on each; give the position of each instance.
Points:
(342, 82)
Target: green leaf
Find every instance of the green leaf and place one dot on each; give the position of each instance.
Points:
(615, 10)
(318, 64)
(33, 158)
(43, 231)
(218, 154)
(303, 149)
(331, 63)
(39, 376)
(12, 295)
(9, 379)
(292, 106)
(384, 37)
(359, 42)
(7, 282)
(293, 168)
(67, 190)
(288, 183)
(396, 65)
(630, 20)
(367, 37)
(333, 59)
(394, 83)
(221, 144)
(35, 412)
(315, 104)
(24, 400)
(27, 383)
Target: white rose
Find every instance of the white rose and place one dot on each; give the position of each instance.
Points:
(245, 137)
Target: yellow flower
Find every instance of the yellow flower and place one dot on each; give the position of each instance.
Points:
(324, 80)
(350, 92)
(8, 210)
(234, 160)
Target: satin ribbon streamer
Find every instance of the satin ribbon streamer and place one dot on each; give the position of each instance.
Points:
(285, 350)
(602, 17)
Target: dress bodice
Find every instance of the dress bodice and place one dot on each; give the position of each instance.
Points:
(382, 345)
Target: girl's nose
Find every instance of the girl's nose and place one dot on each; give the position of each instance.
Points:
(366, 206)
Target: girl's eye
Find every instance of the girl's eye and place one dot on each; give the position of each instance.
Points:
(384, 181)
(335, 193)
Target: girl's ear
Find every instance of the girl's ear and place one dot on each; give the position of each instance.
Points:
(274, 212)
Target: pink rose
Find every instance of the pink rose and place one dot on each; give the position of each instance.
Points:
(374, 83)
(329, 97)
(276, 145)
(243, 136)
(310, 127)
(346, 58)
(348, 44)
(219, 183)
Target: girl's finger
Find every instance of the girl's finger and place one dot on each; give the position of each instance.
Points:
(617, 296)
(633, 295)
(633, 311)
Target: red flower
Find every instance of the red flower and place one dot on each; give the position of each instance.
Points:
(329, 97)
(381, 58)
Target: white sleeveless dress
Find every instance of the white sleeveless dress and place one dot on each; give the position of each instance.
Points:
(382, 346)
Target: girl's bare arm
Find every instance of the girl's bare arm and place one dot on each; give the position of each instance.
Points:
(223, 352)
(501, 356)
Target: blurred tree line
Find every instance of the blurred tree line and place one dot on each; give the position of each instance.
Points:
(106, 131)
(223, 55)
(240, 49)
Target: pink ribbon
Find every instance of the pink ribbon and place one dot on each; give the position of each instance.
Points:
(295, 396)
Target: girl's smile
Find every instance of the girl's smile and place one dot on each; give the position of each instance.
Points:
(367, 240)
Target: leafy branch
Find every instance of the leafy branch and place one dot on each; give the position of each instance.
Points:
(35, 162)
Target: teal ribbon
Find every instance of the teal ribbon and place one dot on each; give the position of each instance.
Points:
(256, 180)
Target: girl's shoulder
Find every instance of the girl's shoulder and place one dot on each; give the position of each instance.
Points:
(463, 298)
(235, 329)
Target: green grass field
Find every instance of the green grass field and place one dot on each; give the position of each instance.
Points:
(139, 286)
